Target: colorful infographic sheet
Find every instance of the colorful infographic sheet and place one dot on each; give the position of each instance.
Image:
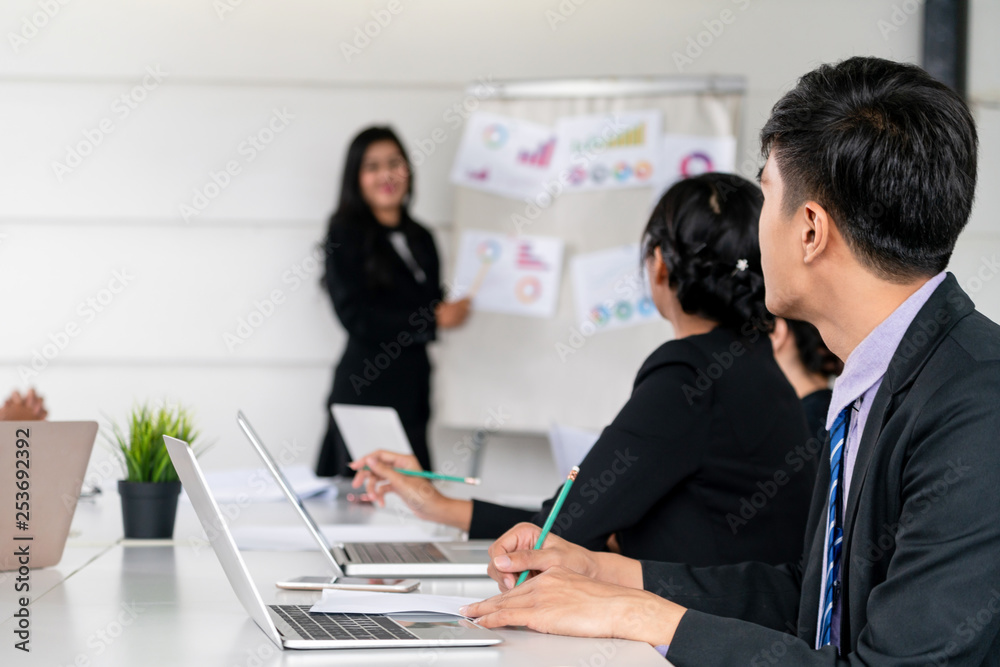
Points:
(686, 155)
(610, 289)
(518, 275)
(505, 156)
(608, 151)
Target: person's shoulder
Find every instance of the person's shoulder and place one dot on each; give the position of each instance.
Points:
(978, 337)
(679, 354)
(344, 227)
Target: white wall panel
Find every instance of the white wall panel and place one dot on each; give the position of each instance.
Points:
(162, 336)
(63, 163)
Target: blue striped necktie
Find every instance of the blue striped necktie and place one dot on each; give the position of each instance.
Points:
(834, 531)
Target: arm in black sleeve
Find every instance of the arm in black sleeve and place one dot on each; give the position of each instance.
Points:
(767, 595)
(653, 444)
(490, 521)
(352, 300)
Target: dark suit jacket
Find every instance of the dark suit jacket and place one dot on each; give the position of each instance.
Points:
(699, 466)
(921, 567)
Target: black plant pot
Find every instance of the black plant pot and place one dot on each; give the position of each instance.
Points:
(149, 508)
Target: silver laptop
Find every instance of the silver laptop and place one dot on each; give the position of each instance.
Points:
(380, 559)
(293, 626)
(44, 464)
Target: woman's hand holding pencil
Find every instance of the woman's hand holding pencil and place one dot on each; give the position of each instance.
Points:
(383, 472)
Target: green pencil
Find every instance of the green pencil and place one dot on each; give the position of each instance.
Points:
(552, 517)
(435, 475)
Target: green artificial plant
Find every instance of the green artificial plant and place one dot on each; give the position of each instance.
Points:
(141, 446)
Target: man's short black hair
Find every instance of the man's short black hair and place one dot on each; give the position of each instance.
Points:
(888, 151)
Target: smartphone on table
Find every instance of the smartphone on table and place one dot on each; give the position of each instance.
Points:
(349, 584)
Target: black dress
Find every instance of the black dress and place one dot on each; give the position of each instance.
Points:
(388, 326)
(706, 464)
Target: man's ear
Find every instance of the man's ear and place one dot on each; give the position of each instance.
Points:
(817, 230)
(780, 336)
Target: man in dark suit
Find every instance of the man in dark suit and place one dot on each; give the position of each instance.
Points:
(869, 180)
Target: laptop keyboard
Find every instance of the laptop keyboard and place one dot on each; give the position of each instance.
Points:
(395, 552)
(340, 626)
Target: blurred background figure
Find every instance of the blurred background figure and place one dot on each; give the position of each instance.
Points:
(30, 407)
(384, 279)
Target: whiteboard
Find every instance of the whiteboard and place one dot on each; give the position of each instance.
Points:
(504, 372)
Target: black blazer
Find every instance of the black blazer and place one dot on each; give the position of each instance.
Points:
(373, 315)
(921, 566)
(687, 470)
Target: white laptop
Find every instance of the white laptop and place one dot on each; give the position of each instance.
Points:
(367, 428)
(293, 626)
(381, 559)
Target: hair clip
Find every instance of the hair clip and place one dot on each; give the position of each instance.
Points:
(741, 266)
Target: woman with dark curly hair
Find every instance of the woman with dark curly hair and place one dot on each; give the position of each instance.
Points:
(708, 462)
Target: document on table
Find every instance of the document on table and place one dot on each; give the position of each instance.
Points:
(257, 485)
(297, 538)
(361, 602)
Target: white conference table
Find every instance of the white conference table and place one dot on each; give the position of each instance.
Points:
(121, 602)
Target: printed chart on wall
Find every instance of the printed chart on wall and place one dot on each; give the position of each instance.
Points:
(610, 289)
(506, 274)
(505, 156)
(687, 155)
(608, 151)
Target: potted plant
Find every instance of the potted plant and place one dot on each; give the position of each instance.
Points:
(150, 489)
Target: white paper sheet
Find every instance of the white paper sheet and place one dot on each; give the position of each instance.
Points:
(297, 538)
(257, 485)
(570, 446)
(686, 155)
(610, 290)
(362, 602)
(517, 275)
(607, 151)
(506, 156)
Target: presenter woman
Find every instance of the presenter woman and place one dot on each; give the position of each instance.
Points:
(383, 277)
(700, 466)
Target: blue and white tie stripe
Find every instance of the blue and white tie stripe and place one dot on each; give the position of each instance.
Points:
(834, 532)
